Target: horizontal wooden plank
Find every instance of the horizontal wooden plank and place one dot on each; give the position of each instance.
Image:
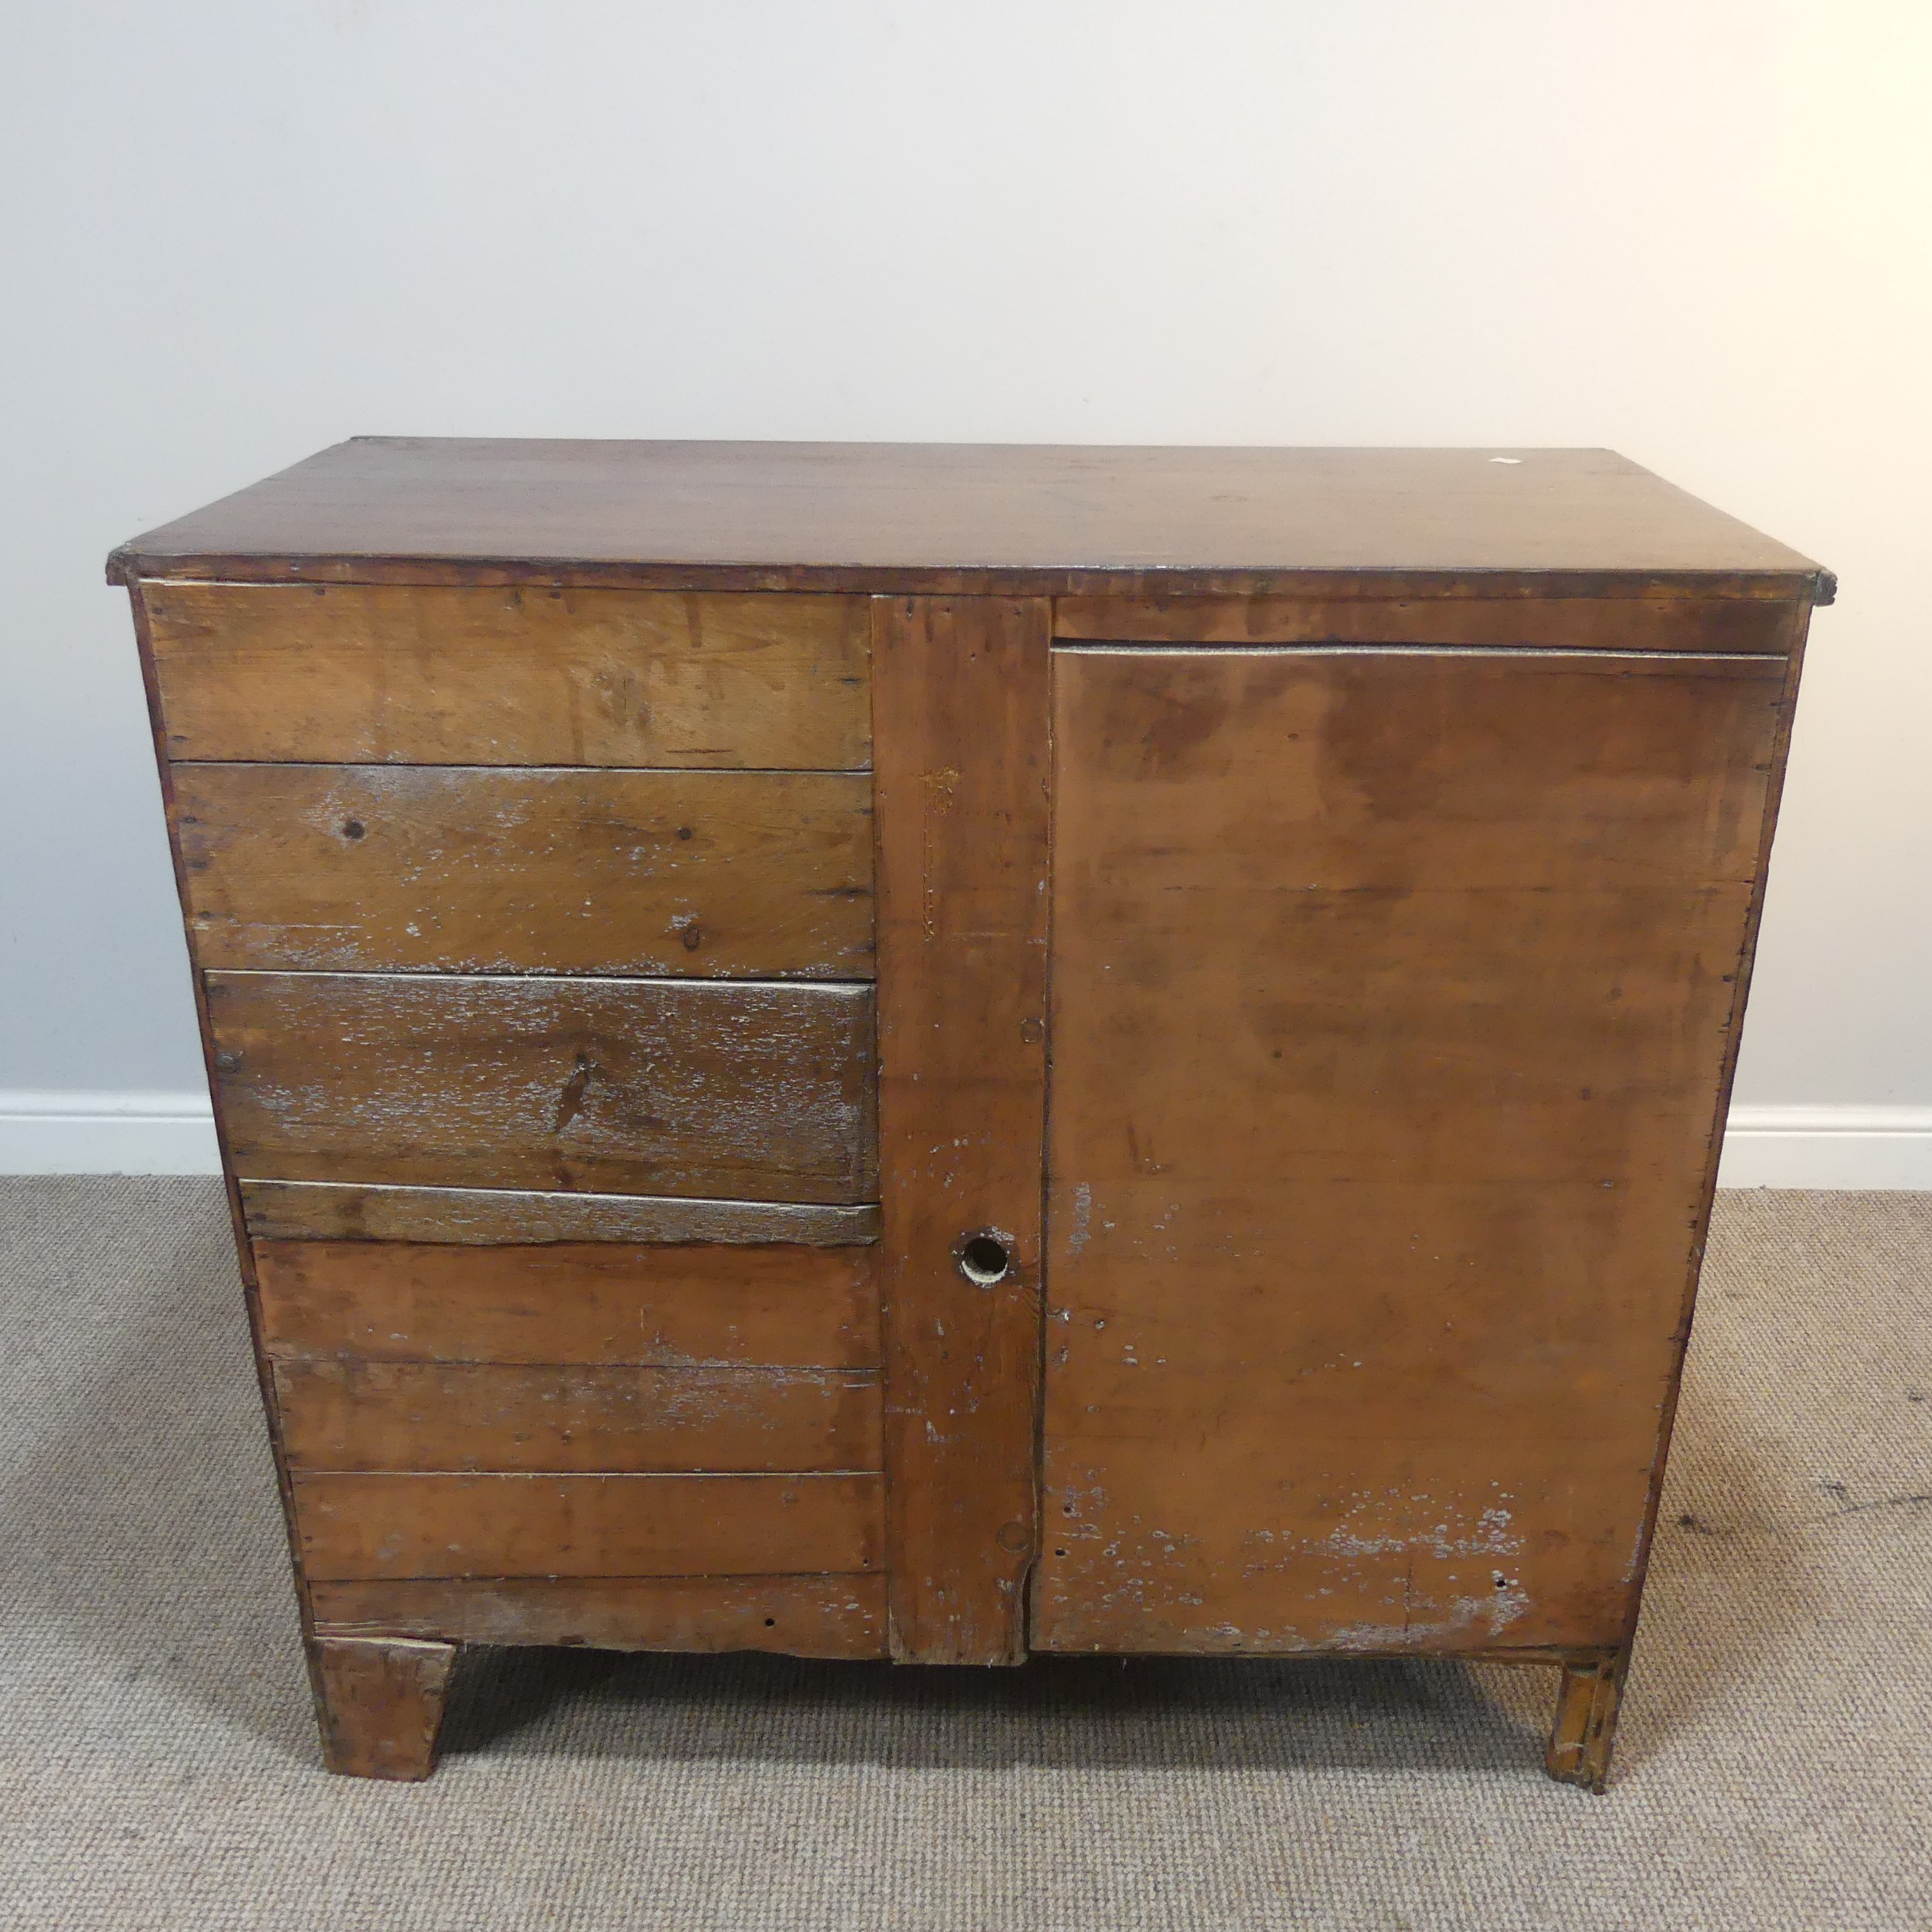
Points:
(582, 1525)
(350, 1415)
(794, 1615)
(361, 673)
(1601, 623)
(330, 1211)
(712, 1307)
(748, 1091)
(383, 868)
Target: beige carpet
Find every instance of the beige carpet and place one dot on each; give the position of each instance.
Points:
(160, 1770)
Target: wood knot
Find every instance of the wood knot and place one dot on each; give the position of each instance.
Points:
(570, 1101)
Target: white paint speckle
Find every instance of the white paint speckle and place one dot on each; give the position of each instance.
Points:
(1079, 1235)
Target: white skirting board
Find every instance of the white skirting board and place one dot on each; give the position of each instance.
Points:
(1814, 1147)
(1828, 1147)
(120, 1133)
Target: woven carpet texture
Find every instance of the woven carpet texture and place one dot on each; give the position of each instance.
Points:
(158, 1765)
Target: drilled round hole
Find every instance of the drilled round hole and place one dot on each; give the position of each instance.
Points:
(983, 1258)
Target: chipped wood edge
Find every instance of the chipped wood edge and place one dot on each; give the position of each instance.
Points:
(380, 1702)
(499, 1217)
(1584, 1731)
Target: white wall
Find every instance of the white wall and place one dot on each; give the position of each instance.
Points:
(1700, 231)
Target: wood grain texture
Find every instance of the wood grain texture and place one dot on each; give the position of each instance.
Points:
(380, 1703)
(1391, 998)
(794, 1615)
(1406, 1025)
(960, 694)
(372, 1526)
(746, 1091)
(1583, 1732)
(244, 1250)
(359, 673)
(1387, 770)
(351, 1415)
(679, 1307)
(1800, 619)
(491, 1217)
(164, 772)
(1703, 624)
(414, 869)
(943, 518)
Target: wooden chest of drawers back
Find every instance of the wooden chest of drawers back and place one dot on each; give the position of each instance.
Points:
(648, 902)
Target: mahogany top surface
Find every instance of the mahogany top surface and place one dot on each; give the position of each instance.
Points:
(925, 517)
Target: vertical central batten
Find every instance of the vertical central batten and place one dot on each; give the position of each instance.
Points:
(961, 731)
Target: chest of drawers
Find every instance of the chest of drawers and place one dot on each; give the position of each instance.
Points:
(935, 1053)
